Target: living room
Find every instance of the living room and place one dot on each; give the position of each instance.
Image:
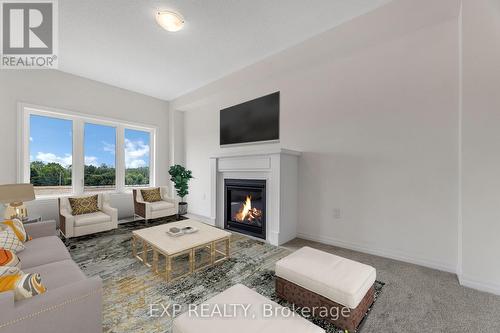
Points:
(335, 152)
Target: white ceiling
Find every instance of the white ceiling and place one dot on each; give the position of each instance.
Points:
(118, 41)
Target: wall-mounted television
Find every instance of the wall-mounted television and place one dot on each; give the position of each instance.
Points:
(256, 121)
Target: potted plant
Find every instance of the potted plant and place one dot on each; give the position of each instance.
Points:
(180, 176)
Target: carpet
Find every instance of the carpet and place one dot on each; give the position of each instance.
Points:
(131, 291)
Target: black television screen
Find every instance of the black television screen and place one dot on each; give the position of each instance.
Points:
(252, 121)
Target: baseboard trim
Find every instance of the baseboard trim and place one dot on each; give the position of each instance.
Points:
(481, 286)
(378, 252)
(202, 218)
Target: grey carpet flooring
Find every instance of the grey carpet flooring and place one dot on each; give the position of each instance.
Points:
(419, 299)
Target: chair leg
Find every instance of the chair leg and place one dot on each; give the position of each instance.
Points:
(61, 234)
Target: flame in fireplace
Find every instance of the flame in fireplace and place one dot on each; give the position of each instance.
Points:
(247, 212)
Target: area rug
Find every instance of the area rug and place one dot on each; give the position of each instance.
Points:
(131, 291)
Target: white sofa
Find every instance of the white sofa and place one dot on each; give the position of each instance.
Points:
(72, 302)
(153, 210)
(85, 224)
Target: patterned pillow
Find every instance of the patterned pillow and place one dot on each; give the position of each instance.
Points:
(24, 285)
(151, 195)
(84, 205)
(9, 241)
(9, 258)
(18, 227)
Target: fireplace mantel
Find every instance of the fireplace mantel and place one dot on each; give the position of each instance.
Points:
(269, 151)
(279, 167)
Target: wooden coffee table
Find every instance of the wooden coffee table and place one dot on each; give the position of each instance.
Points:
(157, 241)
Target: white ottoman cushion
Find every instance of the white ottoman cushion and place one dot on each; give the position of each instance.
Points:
(255, 321)
(341, 280)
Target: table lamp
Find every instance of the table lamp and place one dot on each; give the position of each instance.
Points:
(14, 196)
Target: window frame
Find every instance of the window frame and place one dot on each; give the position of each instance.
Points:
(152, 139)
(25, 110)
(116, 156)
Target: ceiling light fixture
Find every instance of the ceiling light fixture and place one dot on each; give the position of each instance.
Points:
(169, 20)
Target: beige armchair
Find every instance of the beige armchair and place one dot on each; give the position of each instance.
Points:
(85, 224)
(153, 210)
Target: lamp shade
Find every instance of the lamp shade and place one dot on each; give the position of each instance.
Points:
(16, 193)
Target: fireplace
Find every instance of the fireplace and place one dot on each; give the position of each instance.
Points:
(245, 206)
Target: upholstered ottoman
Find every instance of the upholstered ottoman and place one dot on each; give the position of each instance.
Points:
(224, 314)
(316, 279)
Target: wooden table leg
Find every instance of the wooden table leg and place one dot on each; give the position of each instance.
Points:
(212, 253)
(191, 261)
(168, 271)
(134, 249)
(144, 252)
(155, 261)
(228, 243)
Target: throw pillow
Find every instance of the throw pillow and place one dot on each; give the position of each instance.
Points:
(9, 241)
(84, 205)
(152, 195)
(9, 258)
(18, 227)
(24, 285)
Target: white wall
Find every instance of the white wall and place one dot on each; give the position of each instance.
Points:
(373, 107)
(64, 91)
(177, 151)
(481, 141)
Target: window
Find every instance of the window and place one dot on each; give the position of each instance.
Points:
(50, 154)
(62, 152)
(137, 145)
(99, 146)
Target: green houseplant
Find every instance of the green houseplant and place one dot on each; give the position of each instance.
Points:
(180, 176)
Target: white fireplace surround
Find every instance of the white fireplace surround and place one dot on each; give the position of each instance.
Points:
(279, 167)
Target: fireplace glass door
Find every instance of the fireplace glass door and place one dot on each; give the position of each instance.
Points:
(245, 206)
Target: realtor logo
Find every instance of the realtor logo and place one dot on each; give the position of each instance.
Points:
(29, 31)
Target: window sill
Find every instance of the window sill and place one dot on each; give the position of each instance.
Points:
(126, 191)
(65, 195)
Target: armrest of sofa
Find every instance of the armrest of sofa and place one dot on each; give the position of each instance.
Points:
(41, 229)
(146, 205)
(139, 205)
(174, 201)
(67, 222)
(142, 202)
(74, 305)
(113, 212)
(165, 196)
